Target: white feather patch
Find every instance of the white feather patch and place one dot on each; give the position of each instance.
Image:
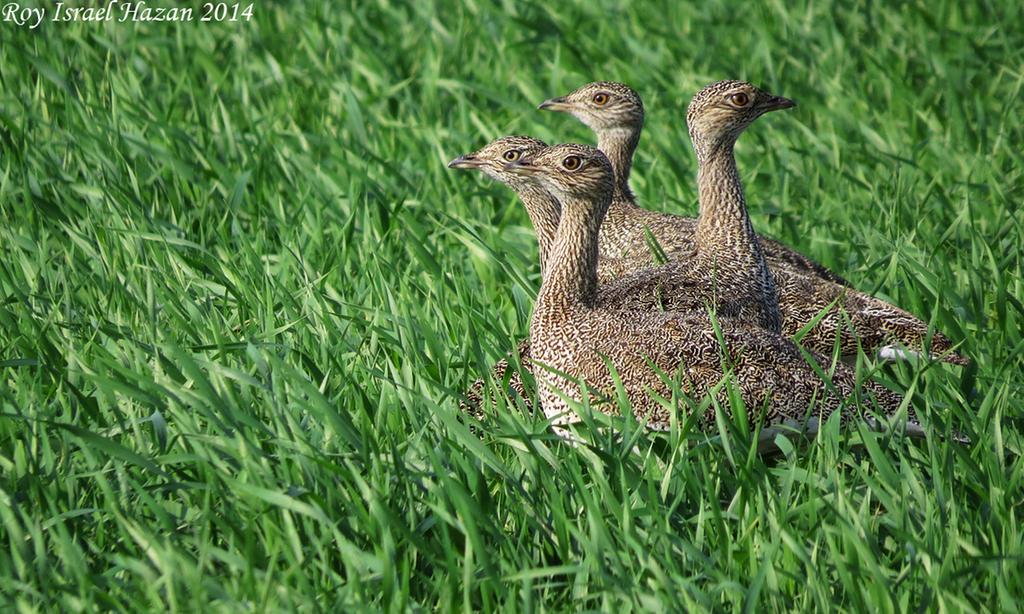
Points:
(891, 352)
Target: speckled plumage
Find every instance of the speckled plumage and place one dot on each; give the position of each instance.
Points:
(577, 325)
(543, 211)
(542, 208)
(804, 288)
(728, 252)
(618, 124)
(674, 287)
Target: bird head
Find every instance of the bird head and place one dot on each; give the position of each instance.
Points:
(492, 158)
(720, 112)
(602, 106)
(569, 172)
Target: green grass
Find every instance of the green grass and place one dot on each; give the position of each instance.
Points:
(240, 293)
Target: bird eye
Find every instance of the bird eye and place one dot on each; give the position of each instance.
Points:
(601, 99)
(572, 163)
(739, 99)
(511, 155)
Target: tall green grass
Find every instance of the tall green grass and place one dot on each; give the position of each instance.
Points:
(240, 295)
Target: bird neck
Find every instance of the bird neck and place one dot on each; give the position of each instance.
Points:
(723, 220)
(619, 144)
(543, 210)
(725, 239)
(571, 278)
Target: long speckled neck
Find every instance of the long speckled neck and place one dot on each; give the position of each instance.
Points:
(571, 279)
(725, 238)
(544, 211)
(723, 223)
(619, 145)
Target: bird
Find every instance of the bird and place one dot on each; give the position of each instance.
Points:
(578, 330)
(542, 208)
(805, 290)
(543, 211)
(725, 245)
(615, 112)
(740, 278)
(728, 270)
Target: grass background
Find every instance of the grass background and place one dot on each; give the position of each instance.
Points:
(240, 291)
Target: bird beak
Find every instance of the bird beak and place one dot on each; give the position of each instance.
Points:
(556, 104)
(776, 103)
(466, 161)
(521, 167)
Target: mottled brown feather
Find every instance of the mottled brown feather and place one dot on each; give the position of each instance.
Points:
(804, 287)
(577, 325)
